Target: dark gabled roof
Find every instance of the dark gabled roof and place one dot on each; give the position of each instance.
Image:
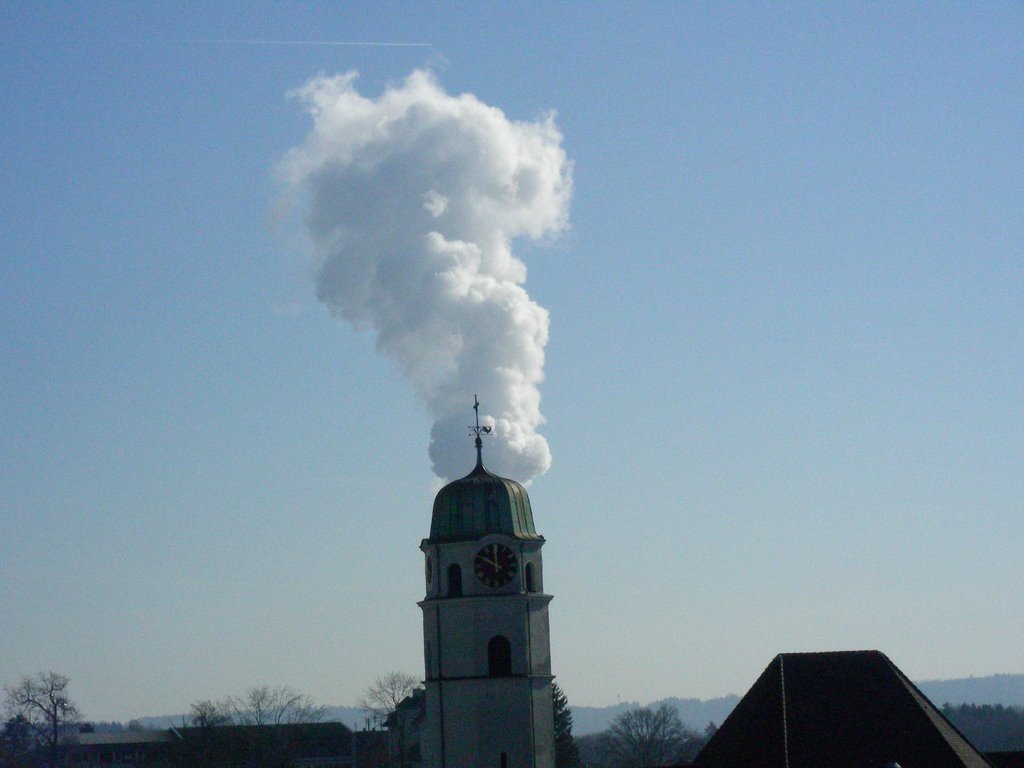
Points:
(413, 708)
(846, 709)
(112, 738)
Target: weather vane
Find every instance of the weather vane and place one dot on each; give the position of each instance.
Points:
(477, 431)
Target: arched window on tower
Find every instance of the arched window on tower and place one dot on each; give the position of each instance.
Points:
(499, 657)
(529, 578)
(454, 580)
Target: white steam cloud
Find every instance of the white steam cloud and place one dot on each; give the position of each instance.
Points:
(414, 199)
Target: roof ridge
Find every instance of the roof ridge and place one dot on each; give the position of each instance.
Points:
(942, 723)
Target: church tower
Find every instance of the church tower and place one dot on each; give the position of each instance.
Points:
(485, 628)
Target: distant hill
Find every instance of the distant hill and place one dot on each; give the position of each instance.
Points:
(989, 727)
(694, 712)
(1007, 690)
(586, 720)
(353, 717)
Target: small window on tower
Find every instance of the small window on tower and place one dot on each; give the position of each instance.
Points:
(454, 580)
(499, 657)
(529, 578)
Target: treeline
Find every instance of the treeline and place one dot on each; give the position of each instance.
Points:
(989, 727)
(264, 726)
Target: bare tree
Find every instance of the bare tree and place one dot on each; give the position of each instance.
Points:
(208, 714)
(644, 737)
(267, 705)
(261, 710)
(43, 703)
(384, 698)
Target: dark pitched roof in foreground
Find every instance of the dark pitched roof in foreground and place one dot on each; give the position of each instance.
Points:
(846, 709)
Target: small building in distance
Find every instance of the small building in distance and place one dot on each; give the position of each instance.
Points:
(310, 745)
(842, 709)
(119, 749)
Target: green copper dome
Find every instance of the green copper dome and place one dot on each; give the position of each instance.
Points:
(481, 503)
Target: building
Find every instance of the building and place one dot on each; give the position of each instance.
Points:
(304, 745)
(120, 749)
(370, 749)
(843, 709)
(485, 628)
(404, 727)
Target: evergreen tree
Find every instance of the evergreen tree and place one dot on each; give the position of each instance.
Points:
(989, 727)
(566, 753)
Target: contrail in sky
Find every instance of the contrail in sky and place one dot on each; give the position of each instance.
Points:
(363, 43)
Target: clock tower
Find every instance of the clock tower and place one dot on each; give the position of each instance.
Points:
(485, 628)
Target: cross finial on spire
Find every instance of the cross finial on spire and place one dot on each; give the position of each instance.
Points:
(477, 431)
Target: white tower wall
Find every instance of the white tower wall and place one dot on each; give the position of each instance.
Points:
(474, 718)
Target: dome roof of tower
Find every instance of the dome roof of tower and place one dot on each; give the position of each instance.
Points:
(479, 504)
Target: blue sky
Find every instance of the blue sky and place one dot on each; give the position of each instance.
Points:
(783, 383)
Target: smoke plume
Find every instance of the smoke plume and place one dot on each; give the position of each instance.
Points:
(414, 200)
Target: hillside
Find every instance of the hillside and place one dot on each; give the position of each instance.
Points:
(694, 712)
(1007, 690)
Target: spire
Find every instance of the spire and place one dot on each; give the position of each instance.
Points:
(477, 431)
(481, 503)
